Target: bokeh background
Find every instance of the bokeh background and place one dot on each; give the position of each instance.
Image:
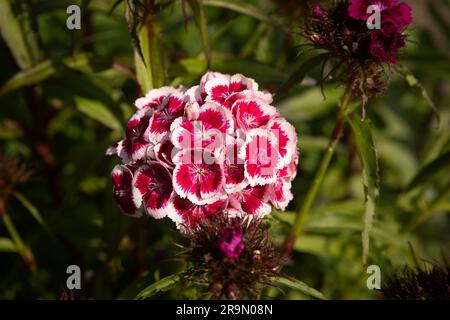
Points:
(66, 95)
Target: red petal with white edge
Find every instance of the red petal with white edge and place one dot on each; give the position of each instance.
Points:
(216, 117)
(252, 114)
(222, 88)
(264, 96)
(196, 95)
(252, 200)
(218, 90)
(286, 137)
(234, 168)
(213, 75)
(153, 186)
(112, 149)
(122, 178)
(280, 194)
(136, 141)
(198, 176)
(186, 134)
(164, 151)
(293, 166)
(161, 120)
(154, 98)
(262, 159)
(187, 214)
(240, 83)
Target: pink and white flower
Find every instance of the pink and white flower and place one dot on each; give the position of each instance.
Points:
(136, 142)
(153, 188)
(262, 159)
(198, 176)
(252, 114)
(222, 88)
(173, 106)
(187, 214)
(122, 178)
(216, 148)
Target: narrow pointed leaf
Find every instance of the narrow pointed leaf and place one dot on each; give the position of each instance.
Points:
(370, 174)
(299, 286)
(6, 245)
(162, 285)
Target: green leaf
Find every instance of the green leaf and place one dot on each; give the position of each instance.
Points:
(98, 111)
(200, 20)
(150, 72)
(430, 171)
(15, 27)
(413, 82)
(246, 9)
(6, 245)
(309, 62)
(162, 285)
(370, 172)
(33, 75)
(46, 69)
(298, 285)
(32, 210)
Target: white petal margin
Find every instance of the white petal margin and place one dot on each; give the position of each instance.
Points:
(153, 95)
(254, 181)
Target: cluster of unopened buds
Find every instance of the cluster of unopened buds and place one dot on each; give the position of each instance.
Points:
(216, 148)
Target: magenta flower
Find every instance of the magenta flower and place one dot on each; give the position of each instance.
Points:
(122, 177)
(358, 8)
(220, 147)
(317, 12)
(385, 43)
(231, 243)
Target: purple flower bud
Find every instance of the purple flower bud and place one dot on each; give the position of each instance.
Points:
(231, 243)
(317, 12)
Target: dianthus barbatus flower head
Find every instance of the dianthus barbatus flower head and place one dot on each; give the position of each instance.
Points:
(192, 153)
(361, 53)
(233, 256)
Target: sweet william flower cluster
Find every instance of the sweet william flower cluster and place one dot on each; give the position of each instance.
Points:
(216, 148)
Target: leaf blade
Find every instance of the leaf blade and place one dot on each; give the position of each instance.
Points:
(298, 285)
(370, 173)
(162, 285)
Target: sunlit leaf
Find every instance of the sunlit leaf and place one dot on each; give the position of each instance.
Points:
(162, 285)
(298, 285)
(370, 173)
(98, 111)
(6, 245)
(46, 69)
(150, 72)
(15, 27)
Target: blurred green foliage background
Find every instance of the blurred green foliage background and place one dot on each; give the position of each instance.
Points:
(66, 95)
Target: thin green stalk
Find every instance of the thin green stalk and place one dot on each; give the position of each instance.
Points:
(304, 211)
(23, 250)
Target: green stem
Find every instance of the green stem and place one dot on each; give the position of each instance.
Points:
(304, 211)
(23, 250)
